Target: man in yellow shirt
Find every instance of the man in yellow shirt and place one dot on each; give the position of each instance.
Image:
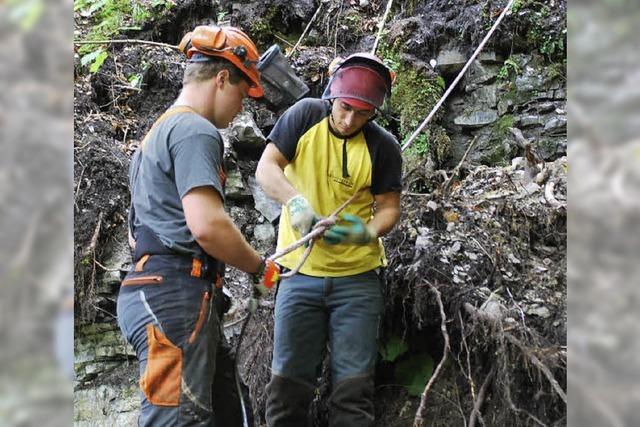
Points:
(320, 153)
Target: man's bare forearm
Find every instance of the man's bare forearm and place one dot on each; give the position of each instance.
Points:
(273, 181)
(384, 220)
(225, 243)
(270, 175)
(386, 213)
(215, 231)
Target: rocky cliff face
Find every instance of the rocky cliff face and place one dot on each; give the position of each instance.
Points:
(491, 239)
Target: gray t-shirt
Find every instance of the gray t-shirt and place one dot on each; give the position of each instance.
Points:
(182, 152)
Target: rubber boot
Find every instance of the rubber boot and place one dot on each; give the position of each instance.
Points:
(288, 402)
(351, 403)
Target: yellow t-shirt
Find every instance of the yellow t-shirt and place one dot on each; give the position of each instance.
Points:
(328, 170)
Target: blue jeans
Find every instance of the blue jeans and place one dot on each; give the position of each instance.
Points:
(345, 311)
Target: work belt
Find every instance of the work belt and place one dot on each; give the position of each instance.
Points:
(152, 255)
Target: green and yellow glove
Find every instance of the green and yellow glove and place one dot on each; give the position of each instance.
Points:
(301, 214)
(356, 231)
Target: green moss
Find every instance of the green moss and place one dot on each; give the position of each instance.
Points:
(498, 157)
(353, 20)
(413, 96)
(502, 125)
(499, 132)
(441, 144)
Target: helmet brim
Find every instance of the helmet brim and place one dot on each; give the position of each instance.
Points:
(255, 92)
(356, 103)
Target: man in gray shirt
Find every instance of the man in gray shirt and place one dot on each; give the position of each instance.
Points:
(182, 237)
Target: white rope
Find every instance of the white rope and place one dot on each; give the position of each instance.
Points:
(458, 77)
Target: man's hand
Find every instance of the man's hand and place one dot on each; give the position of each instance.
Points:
(301, 214)
(356, 231)
(266, 278)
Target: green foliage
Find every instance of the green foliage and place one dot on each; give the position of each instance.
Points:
(393, 349)
(413, 373)
(551, 46)
(353, 19)
(222, 15)
(112, 16)
(413, 97)
(390, 57)
(95, 58)
(420, 145)
(135, 80)
(509, 66)
(517, 5)
(24, 13)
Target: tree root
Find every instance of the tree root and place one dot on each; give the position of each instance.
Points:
(419, 418)
(538, 364)
(480, 399)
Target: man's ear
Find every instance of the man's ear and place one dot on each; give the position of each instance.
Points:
(221, 77)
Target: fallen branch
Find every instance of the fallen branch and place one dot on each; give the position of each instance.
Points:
(127, 41)
(456, 170)
(520, 139)
(549, 196)
(282, 39)
(472, 385)
(107, 269)
(94, 239)
(304, 33)
(235, 322)
(419, 418)
(480, 399)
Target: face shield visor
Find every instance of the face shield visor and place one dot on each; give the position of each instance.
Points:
(359, 85)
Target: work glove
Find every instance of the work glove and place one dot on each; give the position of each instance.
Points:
(264, 280)
(301, 214)
(354, 231)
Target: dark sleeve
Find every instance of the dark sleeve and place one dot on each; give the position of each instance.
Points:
(197, 162)
(386, 160)
(295, 122)
(134, 167)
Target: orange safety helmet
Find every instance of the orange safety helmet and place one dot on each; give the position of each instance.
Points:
(225, 42)
(362, 79)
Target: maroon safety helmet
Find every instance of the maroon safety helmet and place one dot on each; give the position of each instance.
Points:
(361, 80)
